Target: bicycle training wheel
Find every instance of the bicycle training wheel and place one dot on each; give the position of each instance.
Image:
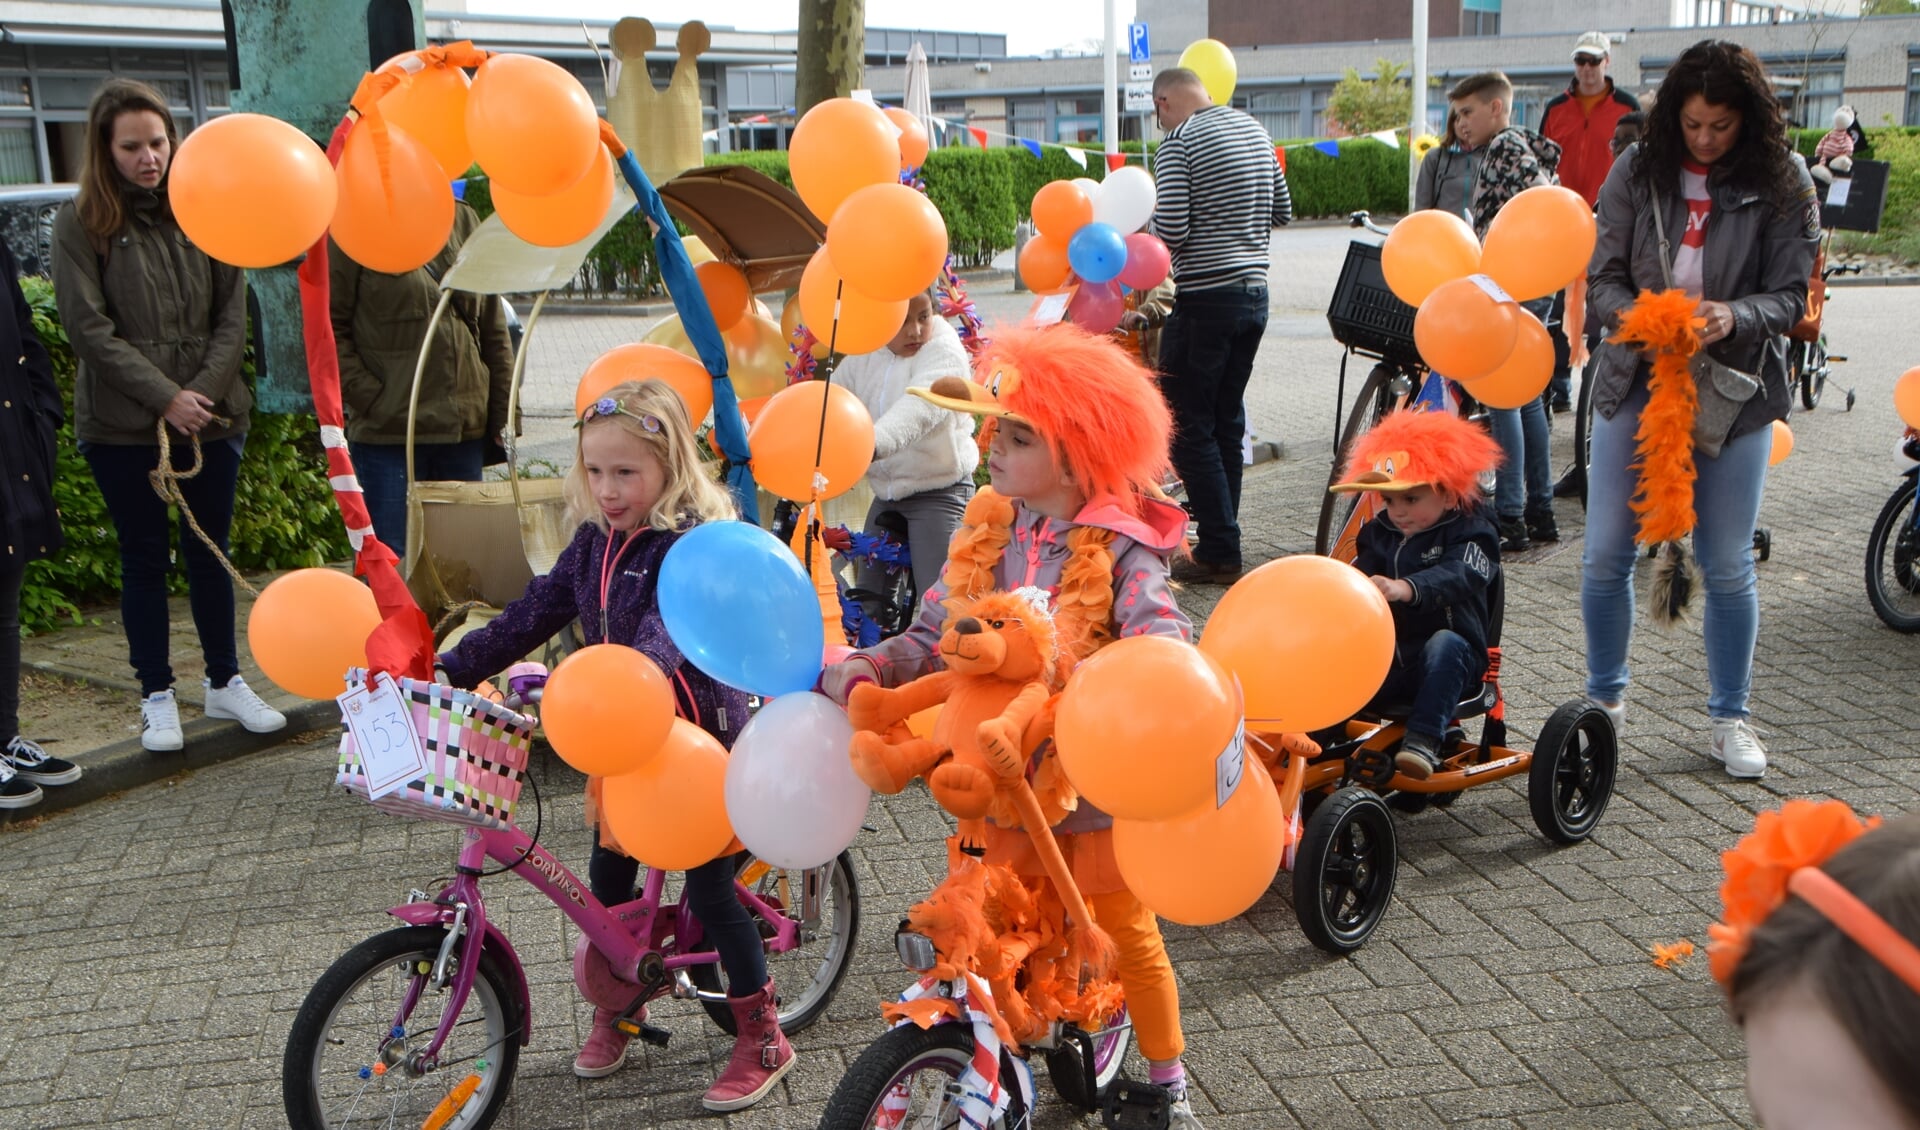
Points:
(1813, 370)
(807, 976)
(1368, 407)
(350, 1055)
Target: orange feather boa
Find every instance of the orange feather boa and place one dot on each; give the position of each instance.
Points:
(1665, 326)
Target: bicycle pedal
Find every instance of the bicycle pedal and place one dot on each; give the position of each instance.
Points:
(1373, 768)
(648, 1033)
(1135, 1105)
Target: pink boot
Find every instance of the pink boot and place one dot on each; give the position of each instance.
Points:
(606, 1048)
(761, 1054)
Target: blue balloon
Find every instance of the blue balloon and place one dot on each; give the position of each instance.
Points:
(739, 606)
(1097, 252)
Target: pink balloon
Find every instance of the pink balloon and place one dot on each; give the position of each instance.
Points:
(1147, 262)
(1096, 307)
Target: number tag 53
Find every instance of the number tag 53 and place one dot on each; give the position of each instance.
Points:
(381, 723)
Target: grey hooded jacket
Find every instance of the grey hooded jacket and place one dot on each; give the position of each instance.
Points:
(1758, 261)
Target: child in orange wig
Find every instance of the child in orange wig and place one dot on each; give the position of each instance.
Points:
(1434, 553)
(1078, 438)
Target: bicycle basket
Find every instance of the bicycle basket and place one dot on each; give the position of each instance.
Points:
(1365, 314)
(476, 751)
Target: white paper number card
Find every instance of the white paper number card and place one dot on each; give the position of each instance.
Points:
(382, 728)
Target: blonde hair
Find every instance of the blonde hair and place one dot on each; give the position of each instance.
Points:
(689, 493)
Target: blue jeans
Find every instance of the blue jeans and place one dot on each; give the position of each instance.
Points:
(711, 897)
(382, 471)
(1726, 497)
(140, 520)
(1447, 668)
(1524, 483)
(1206, 360)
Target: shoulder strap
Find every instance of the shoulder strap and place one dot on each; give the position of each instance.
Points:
(1660, 231)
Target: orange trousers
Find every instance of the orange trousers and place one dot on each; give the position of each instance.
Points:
(1153, 1000)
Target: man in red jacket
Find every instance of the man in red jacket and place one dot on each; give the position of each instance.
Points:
(1581, 122)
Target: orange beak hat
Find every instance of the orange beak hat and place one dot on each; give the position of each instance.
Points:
(1413, 448)
(1090, 399)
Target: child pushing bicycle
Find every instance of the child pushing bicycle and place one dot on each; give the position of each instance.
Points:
(1433, 552)
(636, 486)
(1079, 436)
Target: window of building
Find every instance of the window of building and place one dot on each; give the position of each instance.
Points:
(19, 164)
(1077, 119)
(1278, 111)
(1319, 101)
(955, 115)
(1480, 17)
(1027, 117)
(16, 93)
(1913, 92)
(1810, 97)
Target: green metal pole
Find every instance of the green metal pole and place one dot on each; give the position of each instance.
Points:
(299, 61)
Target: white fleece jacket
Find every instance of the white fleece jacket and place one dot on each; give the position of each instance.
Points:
(917, 446)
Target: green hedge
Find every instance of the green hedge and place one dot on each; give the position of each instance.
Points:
(284, 515)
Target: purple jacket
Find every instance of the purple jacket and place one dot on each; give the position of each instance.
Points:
(632, 618)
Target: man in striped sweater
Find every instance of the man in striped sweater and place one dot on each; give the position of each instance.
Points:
(1221, 192)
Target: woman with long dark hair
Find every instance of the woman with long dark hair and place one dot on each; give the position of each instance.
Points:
(1740, 222)
(158, 329)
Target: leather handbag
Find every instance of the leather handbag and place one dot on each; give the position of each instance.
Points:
(1722, 389)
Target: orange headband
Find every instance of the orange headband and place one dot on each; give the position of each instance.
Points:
(1857, 920)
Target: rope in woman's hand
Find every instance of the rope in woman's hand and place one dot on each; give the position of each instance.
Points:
(166, 483)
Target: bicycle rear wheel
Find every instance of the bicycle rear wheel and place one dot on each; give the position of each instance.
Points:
(348, 1061)
(807, 976)
(1893, 562)
(1372, 403)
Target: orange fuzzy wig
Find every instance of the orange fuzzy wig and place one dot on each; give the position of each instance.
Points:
(1096, 405)
(1412, 448)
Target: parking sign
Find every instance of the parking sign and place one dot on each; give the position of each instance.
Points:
(1137, 51)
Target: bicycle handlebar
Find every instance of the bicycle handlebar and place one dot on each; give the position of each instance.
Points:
(1851, 269)
(1364, 219)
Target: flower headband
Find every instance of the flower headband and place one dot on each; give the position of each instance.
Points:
(610, 406)
(1782, 856)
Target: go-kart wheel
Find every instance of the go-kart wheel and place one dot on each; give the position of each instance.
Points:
(1410, 803)
(1572, 774)
(1343, 875)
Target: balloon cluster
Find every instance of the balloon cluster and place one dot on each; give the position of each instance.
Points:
(1090, 237)
(254, 191)
(1154, 731)
(1469, 325)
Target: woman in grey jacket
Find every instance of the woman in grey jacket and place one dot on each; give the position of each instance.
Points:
(1742, 225)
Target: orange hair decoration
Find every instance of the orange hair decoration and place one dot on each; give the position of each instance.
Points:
(1782, 855)
(1413, 447)
(1665, 324)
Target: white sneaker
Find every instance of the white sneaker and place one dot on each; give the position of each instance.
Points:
(160, 722)
(1737, 747)
(1616, 712)
(1180, 1110)
(237, 701)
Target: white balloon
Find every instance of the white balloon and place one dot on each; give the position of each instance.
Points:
(1089, 186)
(791, 791)
(1126, 200)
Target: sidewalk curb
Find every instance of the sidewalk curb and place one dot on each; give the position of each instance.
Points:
(1874, 280)
(127, 764)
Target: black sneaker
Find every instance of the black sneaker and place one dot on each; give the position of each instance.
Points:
(1513, 535)
(1562, 404)
(16, 792)
(1194, 571)
(33, 764)
(1571, 483)
(1540, 527)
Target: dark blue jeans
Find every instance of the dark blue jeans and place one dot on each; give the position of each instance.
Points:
(1446, 668)
(141, 520)
(1206, 359)
(382, 471)
(13, 573)
(711, 897)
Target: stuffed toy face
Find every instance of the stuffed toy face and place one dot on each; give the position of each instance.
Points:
(1001, 635)
(1843, 118)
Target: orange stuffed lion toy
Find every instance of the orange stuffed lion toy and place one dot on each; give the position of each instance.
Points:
(999, 652)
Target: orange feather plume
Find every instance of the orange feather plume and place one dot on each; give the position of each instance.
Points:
(1665, 326)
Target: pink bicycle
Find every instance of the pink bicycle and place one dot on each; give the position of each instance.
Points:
(423, 1025)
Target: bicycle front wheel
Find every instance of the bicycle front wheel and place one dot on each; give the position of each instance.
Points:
(1893, 562)
(350, 1057)
(1368, 407)
(910, 1077)
(1812, 356)
(807, 976)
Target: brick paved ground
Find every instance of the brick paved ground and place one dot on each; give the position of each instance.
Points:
(158, 942)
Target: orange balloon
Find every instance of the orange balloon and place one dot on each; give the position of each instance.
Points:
(726, 291)
(397, 222)
(788, 433)
(1310, 638)
(564, 218)
(1782, 443)
(432, 106)
(757, 355)
(606, 709)
(1463, 332)
(913, 137)
(641, 361)
(1043, 264)
(308, 627)
(1540, 241)
(1426, 249)
(1061, 208)
(888, 242)
(750, 409)
(1523, 376)
(532, 125)
(251, 190)
(840, 147)
(790, 316)
(865, 324)
(1147, 764)
(1906, 397)
(1210, 865)
(671, 813)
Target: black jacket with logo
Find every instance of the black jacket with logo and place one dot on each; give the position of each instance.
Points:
(1451, 566)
